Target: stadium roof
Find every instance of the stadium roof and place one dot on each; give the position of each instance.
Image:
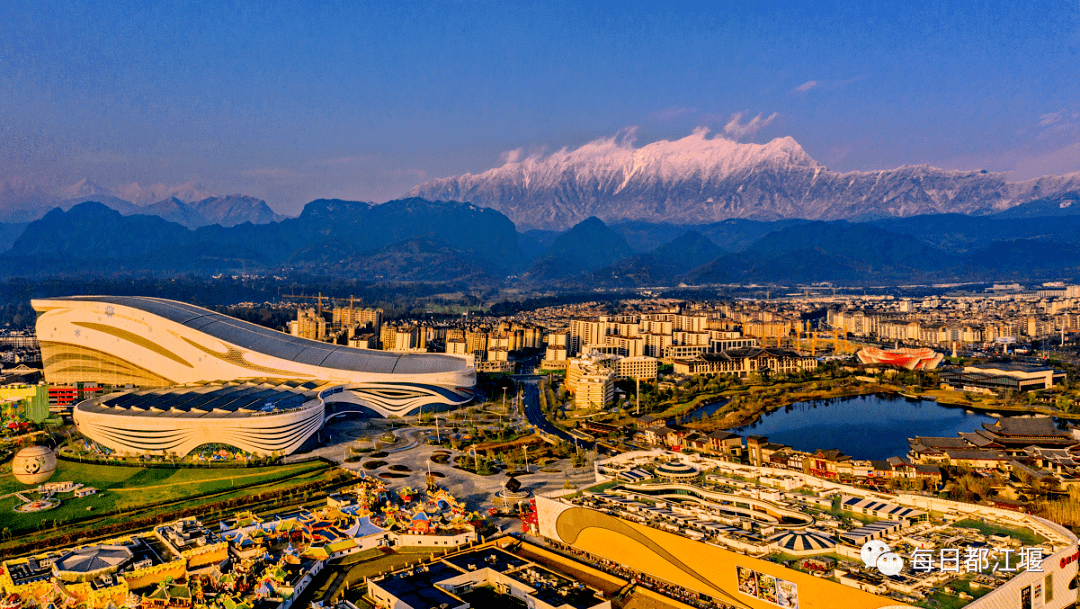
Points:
(212, 399)
(278, 344)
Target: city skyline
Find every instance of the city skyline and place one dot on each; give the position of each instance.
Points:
(289, 104)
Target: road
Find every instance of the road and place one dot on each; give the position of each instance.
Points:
(531, 396)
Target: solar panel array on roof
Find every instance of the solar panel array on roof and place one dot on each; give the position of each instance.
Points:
(870, 506)
(285, 346)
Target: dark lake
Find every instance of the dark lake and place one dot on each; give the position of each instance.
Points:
(865, 426)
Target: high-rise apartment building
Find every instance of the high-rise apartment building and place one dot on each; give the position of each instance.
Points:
(345, 317)
(308, 324)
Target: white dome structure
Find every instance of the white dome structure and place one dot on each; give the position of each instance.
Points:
(33, 465)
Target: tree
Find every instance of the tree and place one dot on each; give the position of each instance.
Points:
(1063, 403)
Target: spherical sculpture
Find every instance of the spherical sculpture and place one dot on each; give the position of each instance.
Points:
(33, 465)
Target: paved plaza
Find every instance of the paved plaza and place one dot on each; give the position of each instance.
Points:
(412, 451)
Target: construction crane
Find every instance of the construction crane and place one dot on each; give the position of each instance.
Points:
(839, 345)
(318, 298)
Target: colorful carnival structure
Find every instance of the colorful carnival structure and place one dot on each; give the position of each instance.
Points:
(907, 358)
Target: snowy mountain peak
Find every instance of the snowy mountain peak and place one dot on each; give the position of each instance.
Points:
(83, 188)
(188, 192)
(704, 178)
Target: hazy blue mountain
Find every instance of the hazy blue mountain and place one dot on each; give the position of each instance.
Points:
(192, 213)
(830, 251)
(533, 243)
(400, 240)
(420, 240)
(963, 234)
(483, 233)
(235, 209)
(91, 236)
(730, 235)
(1067, 204)
(587, 246)
(175, 210)
(647, 236)
(1028, 259)
(9, 232)
(421, 260)
(662, 265)
(124, 207)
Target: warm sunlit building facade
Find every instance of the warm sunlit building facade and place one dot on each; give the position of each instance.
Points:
(152, 342)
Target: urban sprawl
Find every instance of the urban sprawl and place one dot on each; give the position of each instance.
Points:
(162, 455)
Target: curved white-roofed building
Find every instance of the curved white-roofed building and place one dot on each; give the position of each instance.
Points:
(263, 416)
(153, 342)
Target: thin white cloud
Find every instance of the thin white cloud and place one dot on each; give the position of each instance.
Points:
(512, 156)
(806, 86)
(1065, 159)
(1051, 117)
(735, 129)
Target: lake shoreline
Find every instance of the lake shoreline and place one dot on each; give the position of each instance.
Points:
(873, 425)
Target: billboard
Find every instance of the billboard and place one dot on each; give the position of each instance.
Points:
(768, 588)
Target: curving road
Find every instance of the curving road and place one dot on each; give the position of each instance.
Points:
(531, 399)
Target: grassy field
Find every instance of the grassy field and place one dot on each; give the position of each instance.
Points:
(125, 489)
(1026, 536)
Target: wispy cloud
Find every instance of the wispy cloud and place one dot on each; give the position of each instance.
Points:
(825, 84)
(735, 129)
(1052, 117)
(1065, 159)
(512, 156)
(1059, 126)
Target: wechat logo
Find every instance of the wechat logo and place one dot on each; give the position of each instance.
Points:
(877, 554)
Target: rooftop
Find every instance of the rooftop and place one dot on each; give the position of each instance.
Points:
(210, 400)
(93, 558)
(416, 586)
(493, 558)
(278, 344)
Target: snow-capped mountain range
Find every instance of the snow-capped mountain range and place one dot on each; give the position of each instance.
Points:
(189, 204)
(701, 179)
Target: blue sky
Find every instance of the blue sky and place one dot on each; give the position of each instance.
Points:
(291, 101)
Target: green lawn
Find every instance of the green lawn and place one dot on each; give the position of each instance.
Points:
(948, 600)
(128, 488)
(940, 600)
(1025, 536)
(965, 585)
(780, 557)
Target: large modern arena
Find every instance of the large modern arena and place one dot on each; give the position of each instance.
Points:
(184, 351)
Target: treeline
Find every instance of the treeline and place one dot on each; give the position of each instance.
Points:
(396, 299)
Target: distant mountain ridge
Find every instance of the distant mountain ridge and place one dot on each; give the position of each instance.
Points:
(188, 204)
(699, 180)
(415, 240)
(405, 240)
(587, 246)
